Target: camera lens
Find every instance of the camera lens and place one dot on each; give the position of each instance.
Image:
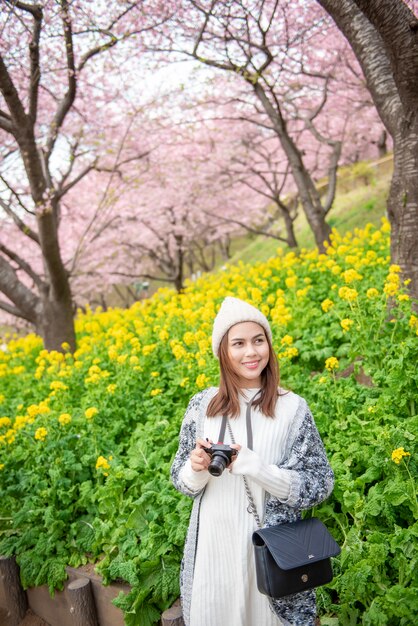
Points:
(218, 463)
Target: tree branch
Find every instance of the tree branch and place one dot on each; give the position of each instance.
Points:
(23, 298)
(35, 69)
(250, 229)
(69, 97)
(9, 308)
(24, 228)
(33, 9)
(6, 123)
(10, 95)
(145, 275)
(23, 265)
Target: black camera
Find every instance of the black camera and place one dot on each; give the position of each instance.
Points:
(221, 457)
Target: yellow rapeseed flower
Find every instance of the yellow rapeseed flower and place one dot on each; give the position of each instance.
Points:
(178, 350)
(102, 463)
(57, 385)
(111, 388)
(391, 288)
(10, 436)
(326, 305)
(201, 381)
(163, 335)
(346, 324)
(398, 454)
(256, 296)
(351, 275)
(346, 293)
(372, 293)
(146, 350)
(156, 392)
(287, 340)
(5, 421)
(385, 228)
(41, 433)
(22, 420)
(291, 281)
(413, 322)
(64, 418)
(91, 412)
(332, 363)
(289, 353)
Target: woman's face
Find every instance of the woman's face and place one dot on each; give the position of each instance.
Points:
(248, 352)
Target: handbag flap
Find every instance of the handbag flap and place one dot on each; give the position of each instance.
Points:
(297, 543)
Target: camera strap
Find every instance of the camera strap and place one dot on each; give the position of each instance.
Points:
(225, 421)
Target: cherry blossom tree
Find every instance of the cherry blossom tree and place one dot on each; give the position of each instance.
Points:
(384, 37)
(257, 164)
(279, 51)
(162, 229)
(52, 56)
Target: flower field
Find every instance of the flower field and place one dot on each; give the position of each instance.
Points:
(86, 439)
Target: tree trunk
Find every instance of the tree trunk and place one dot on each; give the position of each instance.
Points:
(403, 204)
(308, 194)
(56, 323)
(384, 38)
(179, 276)
(15, 596)
(290, 231)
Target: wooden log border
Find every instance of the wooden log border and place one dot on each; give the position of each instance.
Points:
(173, 616)
(82, 606)
(15, 596)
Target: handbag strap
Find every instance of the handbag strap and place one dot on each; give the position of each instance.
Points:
(251, 508)
(225, 423)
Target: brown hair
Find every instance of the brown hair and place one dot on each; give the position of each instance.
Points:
(226, 401)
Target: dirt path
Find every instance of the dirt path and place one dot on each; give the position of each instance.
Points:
(30, 619)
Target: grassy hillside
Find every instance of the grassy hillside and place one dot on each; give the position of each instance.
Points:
(361, 198)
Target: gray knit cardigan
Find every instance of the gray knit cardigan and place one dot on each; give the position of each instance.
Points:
(312, 482)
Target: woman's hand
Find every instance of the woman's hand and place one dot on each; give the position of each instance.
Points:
(237, 447)
(198, 457)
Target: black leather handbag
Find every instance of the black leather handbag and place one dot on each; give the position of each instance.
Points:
(293, 557)
(290, 557)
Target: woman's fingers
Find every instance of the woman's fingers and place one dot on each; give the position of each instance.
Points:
(198, 457)
(203, 443)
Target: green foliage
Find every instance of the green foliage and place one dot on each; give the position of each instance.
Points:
(87, 439)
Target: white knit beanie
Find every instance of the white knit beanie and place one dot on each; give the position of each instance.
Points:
(234, 311)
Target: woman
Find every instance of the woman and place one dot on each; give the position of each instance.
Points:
(286, 468)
